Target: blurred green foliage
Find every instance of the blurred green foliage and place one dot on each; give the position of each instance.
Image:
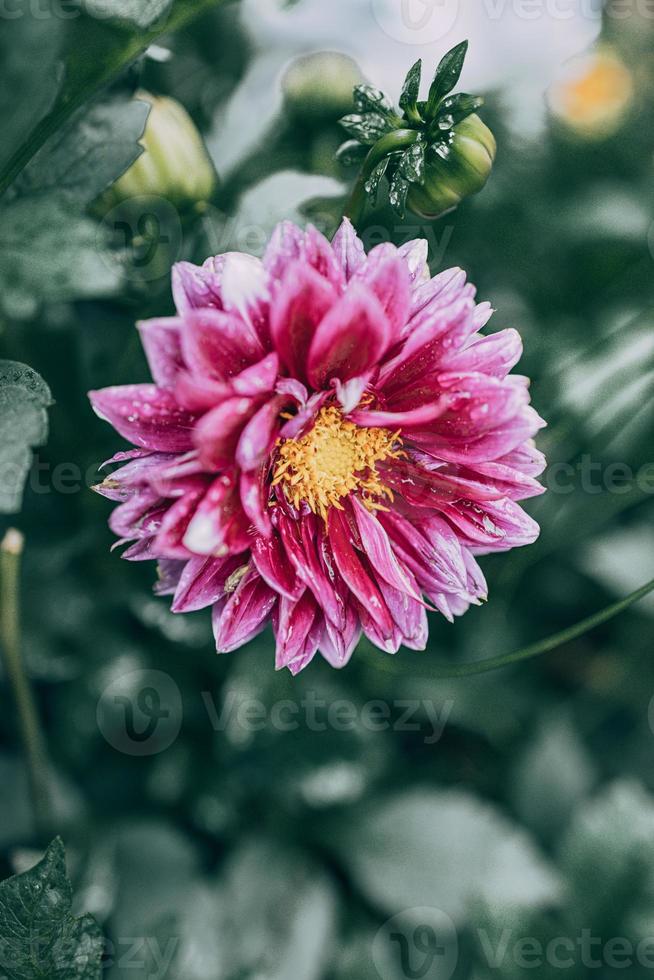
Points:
(261, 832)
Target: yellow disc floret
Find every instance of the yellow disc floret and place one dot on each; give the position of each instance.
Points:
(334, 459)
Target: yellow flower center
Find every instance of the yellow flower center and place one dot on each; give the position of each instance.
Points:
(334, 459)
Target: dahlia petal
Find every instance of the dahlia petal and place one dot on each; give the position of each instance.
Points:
(219, 525)
(379, 550)
(492, 445)
(348, 248)
(415, 255)
(300, 304)
(478, 403)
(245, 289)
(438, 332)
(203, 581)
(349, 392)
(245, 613)
(408, 613)
(217, 433)
(129, 520)
(298, 631)
(260, 434)
(254, 499)
(274, 567)
(169, 572)
(386, 275)
(258, 379)
(320, 255)
(285, 246)
(161, 342)
(146, 415)
(198, 287)
(337, 646)
(354, 573)
(303, 555)
(495, 525)
(389, 640)
(494, 355)
(142, 550)
(169, 539)
(350, 338)
(218, 345)
(445, 284)
(403, 420)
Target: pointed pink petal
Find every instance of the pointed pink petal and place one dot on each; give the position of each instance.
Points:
(146, 415)
(350, 338)
(415, 255)
(244, 614)
(298, 631)
(354, 573)
(258, 379)
(379, 551)
(286, 245)
(218, 345)
(161, 342)
(348, 248)
(386, 274)
(272, 563)
(198, 287)
(495, 355)
(254, 498)
(203, 581)
(219, 525)
(217, 433)
(300, 304)
(260, 434)
(400, 420)
(169, 540)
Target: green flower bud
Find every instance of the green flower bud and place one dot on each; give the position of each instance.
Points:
(432, 153)
(319, 86)
(174, 163)
(454, 170)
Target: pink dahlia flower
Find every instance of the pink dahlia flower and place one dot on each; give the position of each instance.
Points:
(327, 444)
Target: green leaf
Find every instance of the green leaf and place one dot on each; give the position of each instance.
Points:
(91, 54)
(51, 253)
(142, 13)
(397, 193)
(24, 398)
(371, 186)
(411, 88)
(96, 146)
(446, 77)
(290, 911)
(446, 849)
(31, 66)
(369, 99)
(39, 938)
(458, 107)
(412, 163)
(367, 127)
(608, 854)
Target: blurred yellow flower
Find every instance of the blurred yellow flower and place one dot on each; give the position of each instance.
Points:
(594, 94)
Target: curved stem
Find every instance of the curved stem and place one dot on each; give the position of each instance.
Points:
(399, 139)
(11, 550)
(471, 668)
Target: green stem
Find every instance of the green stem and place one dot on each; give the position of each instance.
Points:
(471, 668)
(11, 550)
(399, 139)
(105, 53)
